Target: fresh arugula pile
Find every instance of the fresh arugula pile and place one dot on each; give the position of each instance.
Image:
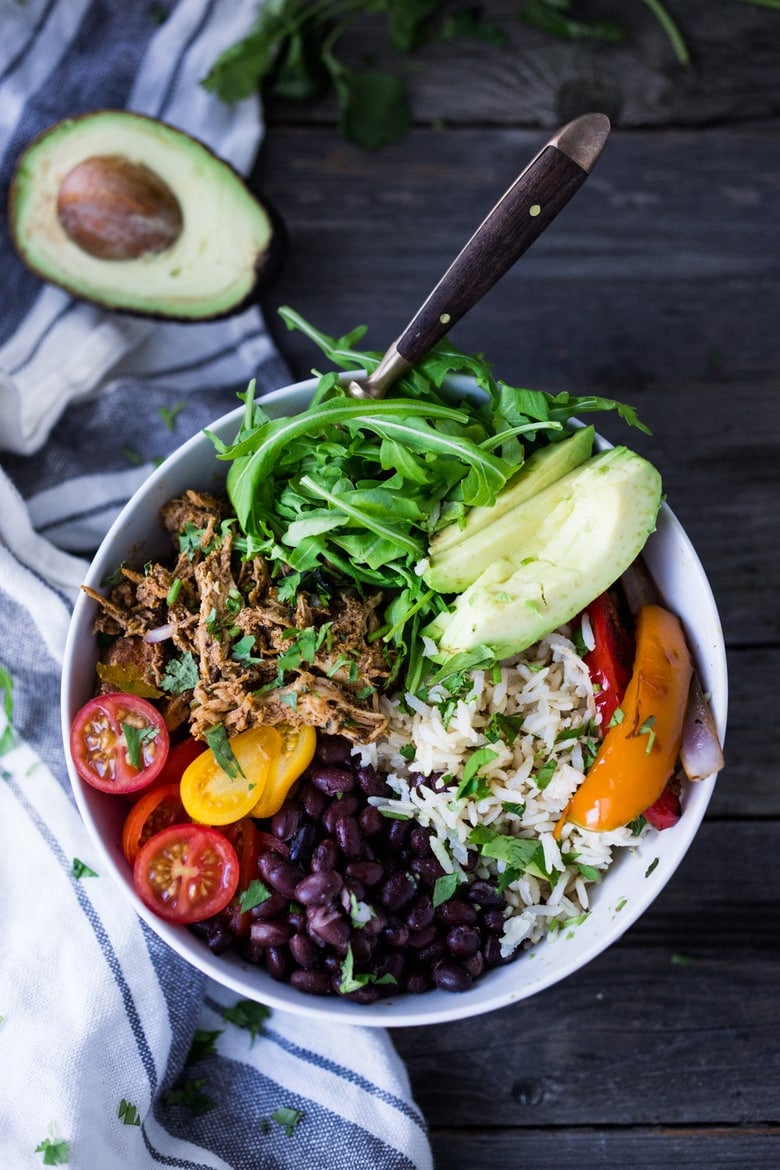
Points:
(293, 51)
(349, 492)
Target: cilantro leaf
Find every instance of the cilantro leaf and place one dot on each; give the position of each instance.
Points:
(128, 1113)
(217, 739)
(80, 869)
(203, 1044)
(136, 739)
(247, 1014)
(191, 1096)
(288, 1118)
(444, 887)
(7, 688)
(254, 895)
(168, 413)
(180, 674)
(55, 1151)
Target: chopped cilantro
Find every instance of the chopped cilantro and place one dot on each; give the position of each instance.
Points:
(620, 904)
(287, 1118)
(180, 674)
(517, 852)
(191, 541)
(637, 825)
(651, 867)
(242, 650)
(132, 456)
(359, 912)
(444, 887)
(79, 869)
(545, 774)
(472, 784)
(136, 738)
(647, 729)
(217, 739)
(55, 1151)
(589, 872)
(191, 1096)
(168, 413)
(127, 1113)
(234, 602)
(408, 751)
(618, 715)
(203, 1045)
(353, 981)
(505, 727)
(212, 623)
(7, 688)
(254, 895)
(680, 960)
(393, 814)
(511, 807)
(247, 1014)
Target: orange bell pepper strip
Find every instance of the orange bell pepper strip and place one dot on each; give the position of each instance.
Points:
(639, 752)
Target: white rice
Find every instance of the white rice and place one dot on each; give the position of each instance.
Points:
(550, 688)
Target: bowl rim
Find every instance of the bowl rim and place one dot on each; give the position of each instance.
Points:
(405, 1010)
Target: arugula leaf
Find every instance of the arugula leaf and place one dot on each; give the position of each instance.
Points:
(180, 674)
(217, 739)
(136, 739)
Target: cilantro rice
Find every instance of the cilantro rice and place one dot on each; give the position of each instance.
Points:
(530, 729)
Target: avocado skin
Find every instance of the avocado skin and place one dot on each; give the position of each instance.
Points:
(588, 528)
(266, 267)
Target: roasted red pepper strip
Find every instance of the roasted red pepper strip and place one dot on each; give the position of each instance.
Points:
(611, 660)
(666, 811)
(638, 754)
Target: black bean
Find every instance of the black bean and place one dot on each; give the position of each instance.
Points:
(493, 919)
(302, 844)
(331, 779)
(217, 934)
(337, 810)
(332, 963)
(485, 893)
(397, 890)
(396, 833)
(370, 873)
(389, 963)
(420, 841)
(362, 946)
(314, 801)
(427, 869)
(327, 927)
(333, 749)
(285, 822)
(312, 982)
(325, 855)
(419, 913)
(492, 952)
(475, 965)
(277, 962)
(271, 908)
(422, 938)
(371, 821)
(280, 873)
(449, 976)
(395, 933)
(296, 918)
(318, 889)
(304, 951)
(377, 922)
(432, 952)
(269, 934)
(456, 912)
(348, 836)
(371, 782)
(368, 993)
(463, 941)
(417, 981)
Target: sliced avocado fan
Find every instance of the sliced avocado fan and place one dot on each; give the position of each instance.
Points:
(130, 213)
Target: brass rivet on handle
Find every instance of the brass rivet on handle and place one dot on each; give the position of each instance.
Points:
(445, 318)
(534, 209)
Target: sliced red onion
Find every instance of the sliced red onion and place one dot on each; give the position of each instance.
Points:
(159, 633)
(638, 586)
(700, 751)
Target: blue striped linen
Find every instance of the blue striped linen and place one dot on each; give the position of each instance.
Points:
(97, 1015)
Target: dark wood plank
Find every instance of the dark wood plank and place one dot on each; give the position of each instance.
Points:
(642, 1148)
(748, 786)
(536, 79)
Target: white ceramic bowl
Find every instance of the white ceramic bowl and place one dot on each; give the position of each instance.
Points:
(627, 890)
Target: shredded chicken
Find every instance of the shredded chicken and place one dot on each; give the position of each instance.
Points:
(256, 658)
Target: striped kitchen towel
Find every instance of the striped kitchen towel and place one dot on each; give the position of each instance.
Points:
(115, 1053)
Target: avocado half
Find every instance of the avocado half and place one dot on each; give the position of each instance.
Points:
(130, 213)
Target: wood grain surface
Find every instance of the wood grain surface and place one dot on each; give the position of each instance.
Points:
(659, 285)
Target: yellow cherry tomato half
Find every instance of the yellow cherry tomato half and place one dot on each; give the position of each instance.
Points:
(213, 796)
(298, 745)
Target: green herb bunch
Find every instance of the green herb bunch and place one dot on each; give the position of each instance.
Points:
(293, 51)
(353, 491)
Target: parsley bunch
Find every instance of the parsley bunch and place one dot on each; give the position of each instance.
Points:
(355, 490)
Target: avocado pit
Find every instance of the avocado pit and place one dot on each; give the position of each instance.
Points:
(116, 209)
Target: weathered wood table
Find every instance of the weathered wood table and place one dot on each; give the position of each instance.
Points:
(658, 285)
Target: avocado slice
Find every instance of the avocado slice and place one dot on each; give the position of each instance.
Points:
(575, 539)
(539, 470)
(135, 215)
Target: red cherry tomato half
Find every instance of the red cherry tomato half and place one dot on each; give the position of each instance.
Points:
(180, 757)
(119, 743)
(245, 839)
(186, 873)
(157, 809)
